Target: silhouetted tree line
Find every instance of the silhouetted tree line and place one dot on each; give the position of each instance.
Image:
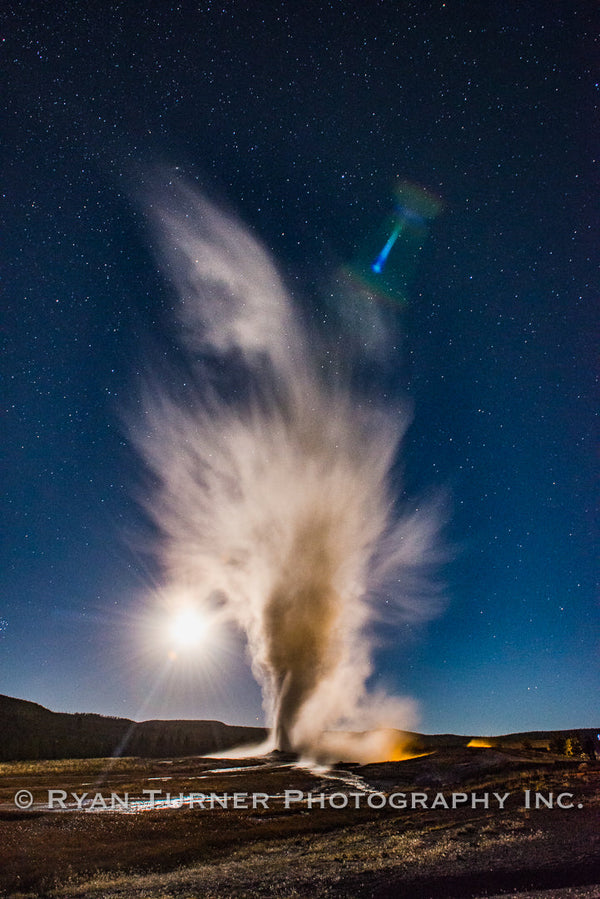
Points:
(30, 731)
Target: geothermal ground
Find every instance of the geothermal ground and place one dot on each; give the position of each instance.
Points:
(350, 847)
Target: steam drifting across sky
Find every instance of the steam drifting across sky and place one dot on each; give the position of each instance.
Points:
(273, 499)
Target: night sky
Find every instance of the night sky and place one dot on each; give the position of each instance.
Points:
(301, 116)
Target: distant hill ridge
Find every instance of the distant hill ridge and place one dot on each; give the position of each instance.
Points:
(30, 731)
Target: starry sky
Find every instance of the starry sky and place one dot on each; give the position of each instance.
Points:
(301, 116)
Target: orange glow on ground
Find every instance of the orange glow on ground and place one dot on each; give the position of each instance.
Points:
(402, 756)
(480, 743)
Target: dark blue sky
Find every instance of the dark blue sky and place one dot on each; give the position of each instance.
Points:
(301, 116)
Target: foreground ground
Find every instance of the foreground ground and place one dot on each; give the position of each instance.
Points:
(180, 851)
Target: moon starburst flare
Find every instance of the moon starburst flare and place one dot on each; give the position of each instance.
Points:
(188, 629)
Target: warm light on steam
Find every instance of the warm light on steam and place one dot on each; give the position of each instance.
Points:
(382, 744)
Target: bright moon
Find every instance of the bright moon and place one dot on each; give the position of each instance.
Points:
(187, 628)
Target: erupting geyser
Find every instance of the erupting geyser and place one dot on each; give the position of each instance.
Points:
(273, 496)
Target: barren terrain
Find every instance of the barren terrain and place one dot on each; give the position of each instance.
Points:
(345, 845)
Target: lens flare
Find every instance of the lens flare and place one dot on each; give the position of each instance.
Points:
(384, 269)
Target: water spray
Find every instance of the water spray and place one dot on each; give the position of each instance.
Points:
(276, 495)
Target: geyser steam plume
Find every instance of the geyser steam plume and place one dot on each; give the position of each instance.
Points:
(273, 490)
